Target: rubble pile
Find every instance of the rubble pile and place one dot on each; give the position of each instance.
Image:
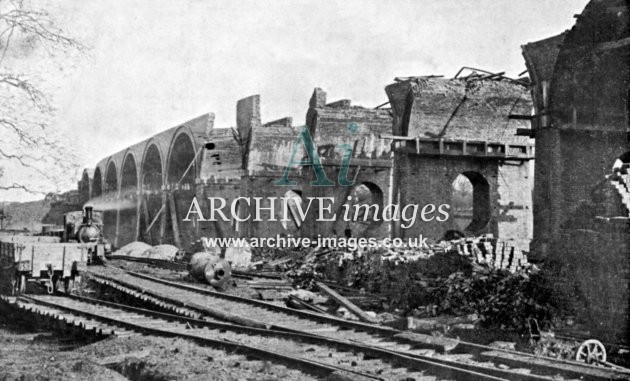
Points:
(483, 277)
(138, 249)
(499, 298)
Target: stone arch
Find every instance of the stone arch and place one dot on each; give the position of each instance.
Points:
(152, 180)
(127, 200)
(181, 170)
(362, 218)
(84, 187)
(181, 153)
(109, 202)
(111, 178)
(470, 199)
(97, 183)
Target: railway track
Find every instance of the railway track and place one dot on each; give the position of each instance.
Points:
(303, 352)
(438, 354)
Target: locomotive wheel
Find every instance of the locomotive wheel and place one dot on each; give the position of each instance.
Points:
(591, 352)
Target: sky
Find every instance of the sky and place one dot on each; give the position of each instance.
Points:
(153, 64)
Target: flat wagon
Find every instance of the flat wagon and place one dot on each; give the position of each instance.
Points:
(45, 260)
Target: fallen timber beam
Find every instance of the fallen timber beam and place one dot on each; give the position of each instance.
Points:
(346, 303)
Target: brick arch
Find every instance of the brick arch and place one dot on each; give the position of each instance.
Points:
(481, 202)
(108, 202)
(85, 188)
(180, 181)
(182, 149)
(111, 178)
(151, 180)
(97, 183)
(129, 170)
(152, 166)
(128, 199)
(368, 193)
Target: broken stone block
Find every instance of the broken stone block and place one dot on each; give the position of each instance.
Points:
(239, 256)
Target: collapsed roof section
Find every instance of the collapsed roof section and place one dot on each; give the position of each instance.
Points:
(459, 109)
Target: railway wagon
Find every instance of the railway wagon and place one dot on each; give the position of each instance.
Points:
(41, 259)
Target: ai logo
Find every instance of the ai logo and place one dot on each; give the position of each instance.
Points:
(313, 160)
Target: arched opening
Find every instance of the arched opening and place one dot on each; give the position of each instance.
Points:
(109, 202)
(127, 202)
(364, 206)
(462, 202)
(151, 198)
(470, 202)
(181, 170)
(84, 188)
(97, 184)
(293, 201)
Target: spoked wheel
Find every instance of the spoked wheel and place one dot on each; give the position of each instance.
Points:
(591, 352)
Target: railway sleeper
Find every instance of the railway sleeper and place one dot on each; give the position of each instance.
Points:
(377, 342)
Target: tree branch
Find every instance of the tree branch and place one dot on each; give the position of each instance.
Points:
(20, 187)
(33, 23)
(25, 110)
(37, 97)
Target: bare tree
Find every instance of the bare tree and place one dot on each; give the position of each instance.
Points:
(26, 140)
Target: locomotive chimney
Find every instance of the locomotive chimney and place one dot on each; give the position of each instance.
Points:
(88, 215)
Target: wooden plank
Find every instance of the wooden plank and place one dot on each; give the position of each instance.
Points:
(354, 309)
(147, 218)
(174, 222)
(439, 343)
(139, 201)
(162, 218)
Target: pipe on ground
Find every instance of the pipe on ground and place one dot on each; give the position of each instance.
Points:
(210, 268)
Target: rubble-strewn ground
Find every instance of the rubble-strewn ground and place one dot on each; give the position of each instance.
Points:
(39, 356)
(31, 355)
(235, 286)
(443, 294)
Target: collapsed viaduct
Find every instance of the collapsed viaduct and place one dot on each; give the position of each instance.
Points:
(435, 130)
(146, 189)
(132, 186)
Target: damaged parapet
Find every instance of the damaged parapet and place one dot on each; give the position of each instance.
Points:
(443, 128)
(331, 124)
(336, 128)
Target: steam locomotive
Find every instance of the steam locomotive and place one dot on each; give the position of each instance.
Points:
(56, 258)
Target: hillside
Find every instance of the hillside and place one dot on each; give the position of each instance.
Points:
(33, 214)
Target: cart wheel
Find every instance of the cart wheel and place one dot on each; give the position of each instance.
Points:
(591, 352)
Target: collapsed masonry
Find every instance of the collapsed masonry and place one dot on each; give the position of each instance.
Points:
(411, 153)
(445, 128)
(581, 89)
